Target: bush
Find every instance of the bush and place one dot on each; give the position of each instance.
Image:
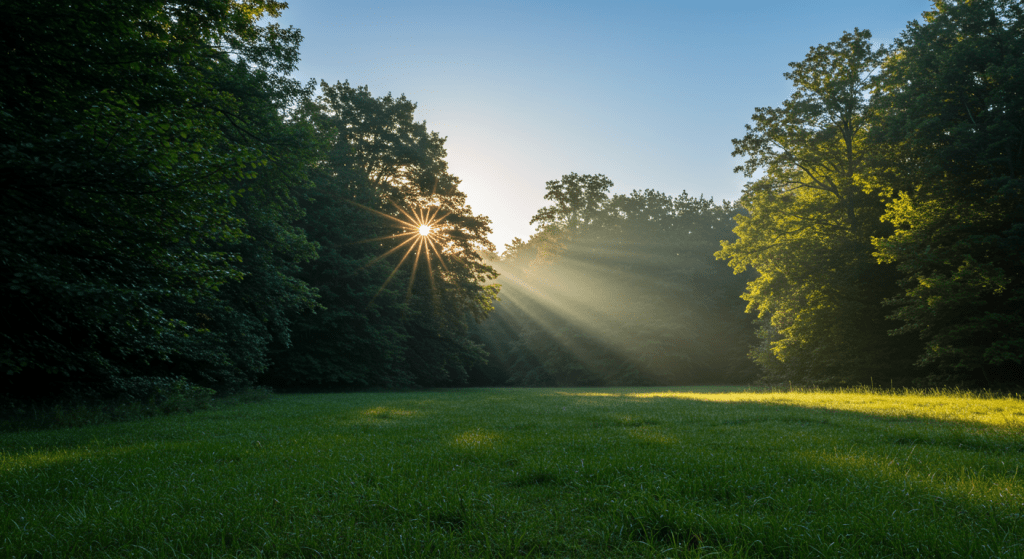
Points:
(135, 398)
(166, 394)
(252, 394)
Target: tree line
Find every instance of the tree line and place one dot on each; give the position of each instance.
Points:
(885, 217)
(174, 205)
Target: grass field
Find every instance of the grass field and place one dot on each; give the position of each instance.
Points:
(530, 473)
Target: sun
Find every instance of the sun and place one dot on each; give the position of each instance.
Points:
(421, 241)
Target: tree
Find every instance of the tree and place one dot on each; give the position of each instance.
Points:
(242, 319)
(125, 144)
(953, 123)
(809, 224)
(394, 314)
(578, 201)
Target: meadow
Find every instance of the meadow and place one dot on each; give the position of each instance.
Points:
(499, 472)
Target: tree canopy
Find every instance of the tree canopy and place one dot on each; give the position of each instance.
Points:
(818, 290)
(131, 134)
(885, 223)
(952, 100)
(164, 215)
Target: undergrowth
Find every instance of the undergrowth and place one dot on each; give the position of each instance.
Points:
(138, 399)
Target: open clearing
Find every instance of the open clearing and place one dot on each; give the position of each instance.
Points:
(623, 472)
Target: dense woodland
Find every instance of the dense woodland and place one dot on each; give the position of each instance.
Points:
(174, 206)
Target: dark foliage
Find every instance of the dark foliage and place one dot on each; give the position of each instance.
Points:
(139, 143)
(952, 109)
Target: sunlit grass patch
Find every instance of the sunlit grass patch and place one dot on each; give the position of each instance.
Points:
(944, 405)
(385, 412)
(526, 473)
(475, 438)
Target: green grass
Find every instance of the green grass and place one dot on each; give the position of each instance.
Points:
(529, 472)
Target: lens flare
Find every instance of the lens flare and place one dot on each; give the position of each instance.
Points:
(423, 234)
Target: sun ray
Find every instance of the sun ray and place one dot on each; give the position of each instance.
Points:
(386, 254)
(382, 214)
(430, 269)
(393, 272)
(424, 230)
(385, 238)
(415, 265)
(439, 259)
(436, 219)
(412, 218)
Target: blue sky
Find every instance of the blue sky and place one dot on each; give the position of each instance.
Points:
(647, 93)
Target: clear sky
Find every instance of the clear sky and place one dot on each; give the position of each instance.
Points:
(647, 93)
